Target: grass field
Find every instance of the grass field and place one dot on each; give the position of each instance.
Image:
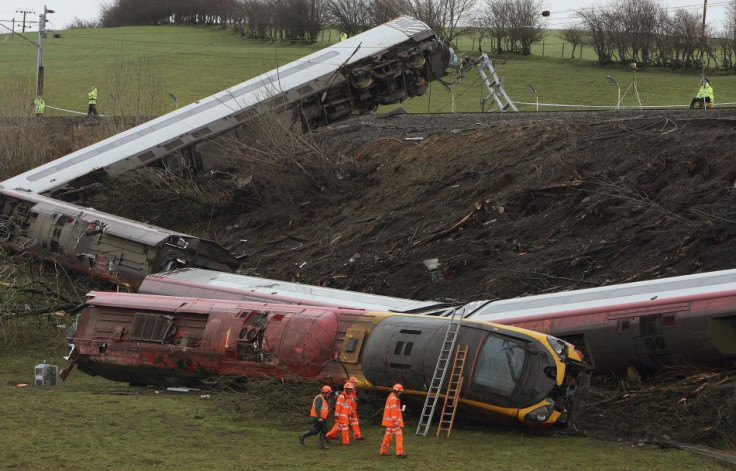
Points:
(194, 62)
(90, 424)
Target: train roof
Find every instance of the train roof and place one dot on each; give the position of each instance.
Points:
(620, 295)
(501, 311)
(283, 291)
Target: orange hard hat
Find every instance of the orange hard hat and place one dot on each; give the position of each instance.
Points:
(326, 389)
(348, 386)
(353, 380)
(398, 387)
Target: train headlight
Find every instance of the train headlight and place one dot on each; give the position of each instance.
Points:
(559, 347)
(540, 414)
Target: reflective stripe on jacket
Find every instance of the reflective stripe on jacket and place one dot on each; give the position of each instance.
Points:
(342, 408)
(392, 412)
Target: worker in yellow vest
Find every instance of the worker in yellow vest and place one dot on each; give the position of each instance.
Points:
(39, 106)
(92, 101)
(704, 98)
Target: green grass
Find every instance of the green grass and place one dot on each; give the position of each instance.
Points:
(89, 423)
(195, 62)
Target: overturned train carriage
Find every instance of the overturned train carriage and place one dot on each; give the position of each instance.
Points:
(114, 248)
(386, 64)
(646, 324)
(511, 375)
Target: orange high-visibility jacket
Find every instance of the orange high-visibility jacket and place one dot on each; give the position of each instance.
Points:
(392, 412)
(342, 408)
(320, 403)
(354, 403)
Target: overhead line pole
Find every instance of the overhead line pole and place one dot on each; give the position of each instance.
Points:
(41, 35)
(702, 39)
(24, 17)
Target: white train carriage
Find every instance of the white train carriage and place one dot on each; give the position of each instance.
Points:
(384, 65)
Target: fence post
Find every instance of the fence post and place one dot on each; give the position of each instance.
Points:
(542, 48)
(563, 51)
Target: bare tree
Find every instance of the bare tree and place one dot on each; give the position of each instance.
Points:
(497, 19)
(596, 23)
(526, 24)
(686, 37)
(349, 16)
(514, 24)
(381, 11)
(575, 35)
(444, 17)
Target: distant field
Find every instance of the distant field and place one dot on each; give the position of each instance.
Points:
(194, 62)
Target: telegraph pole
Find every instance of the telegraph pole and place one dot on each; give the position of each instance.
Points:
(41, 35)
(24, 17)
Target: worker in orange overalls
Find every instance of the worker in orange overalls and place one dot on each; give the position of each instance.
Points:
(354, 410)
(343, 409)
(318, 416)
(393, 420)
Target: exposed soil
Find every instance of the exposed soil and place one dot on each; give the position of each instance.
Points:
(509, 204)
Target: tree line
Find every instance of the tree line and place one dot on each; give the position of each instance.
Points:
(619, 31)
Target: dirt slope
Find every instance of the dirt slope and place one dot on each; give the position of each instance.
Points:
(509, 204)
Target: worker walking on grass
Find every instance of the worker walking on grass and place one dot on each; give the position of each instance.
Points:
(393, 420)
(343, 409)
(704, 97)
(354, 424)
(92, 100)
(319, 414)
(39, 106)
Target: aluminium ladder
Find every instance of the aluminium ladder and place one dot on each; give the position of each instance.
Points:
(494, 85)
(439, 374)
(452, 395)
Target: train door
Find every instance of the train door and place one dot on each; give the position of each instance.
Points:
(656, 338)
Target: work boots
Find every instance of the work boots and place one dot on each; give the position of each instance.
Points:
(303, 436)
(324, 443)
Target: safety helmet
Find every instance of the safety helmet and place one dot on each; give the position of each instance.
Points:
(353, 380)
(398, 387)
(348, 386)
(326, 389)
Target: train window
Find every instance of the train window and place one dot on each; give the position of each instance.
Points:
(500, 365)
(624, 326)
(403, 347)
(411, 332)
(152, 327)
(650, 325)
(351, 345)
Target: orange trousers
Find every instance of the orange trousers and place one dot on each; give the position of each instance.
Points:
(354, 424)
(390, 432)
(344, 429)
